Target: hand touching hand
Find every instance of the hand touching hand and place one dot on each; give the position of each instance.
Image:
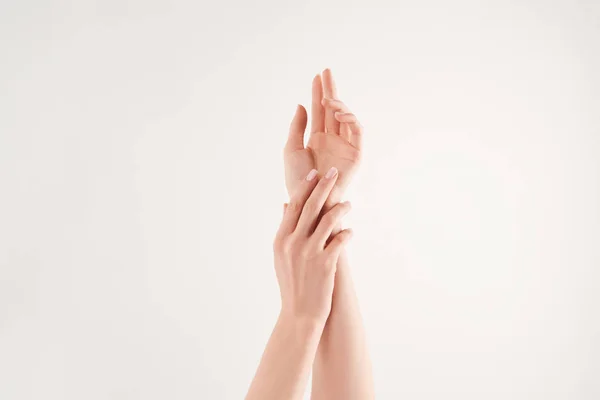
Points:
(305, 261)
(335, 139)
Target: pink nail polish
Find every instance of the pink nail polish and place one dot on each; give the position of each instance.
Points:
(311, 175)
(331, 173)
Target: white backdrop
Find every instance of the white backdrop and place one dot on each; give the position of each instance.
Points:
(141, 183)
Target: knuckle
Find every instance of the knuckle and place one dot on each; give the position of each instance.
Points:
(295, 206)
(310, 207)
(337, 241)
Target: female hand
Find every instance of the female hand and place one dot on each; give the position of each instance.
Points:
(335, 139)
(305, 260)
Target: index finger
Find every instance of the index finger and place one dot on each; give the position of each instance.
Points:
(296, 204)
(314, 204)
(318, 111)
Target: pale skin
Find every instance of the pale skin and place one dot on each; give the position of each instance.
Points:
(336, 347)
(305, 264)
(342, 367)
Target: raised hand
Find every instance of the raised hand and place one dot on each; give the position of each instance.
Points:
(335, 139)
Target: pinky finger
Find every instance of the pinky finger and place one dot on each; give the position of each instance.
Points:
(355, 127)
(338, 242)
(346, 117)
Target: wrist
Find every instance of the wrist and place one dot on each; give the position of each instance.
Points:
(303, 326)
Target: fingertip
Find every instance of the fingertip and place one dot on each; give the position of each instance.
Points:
(301, 110)
(311, 175)
(297, 114)
(302, 117)
(333, 171)
(347, 234)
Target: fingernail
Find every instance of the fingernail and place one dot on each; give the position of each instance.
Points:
(331, 173)
(311, 175)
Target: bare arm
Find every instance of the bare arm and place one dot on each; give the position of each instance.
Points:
(287, 360)
(305, 264)
(342, 367)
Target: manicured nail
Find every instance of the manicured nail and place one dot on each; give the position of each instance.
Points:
(331, 173)
(311, 175)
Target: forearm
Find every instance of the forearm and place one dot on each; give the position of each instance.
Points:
(342, 367)
(286, 362)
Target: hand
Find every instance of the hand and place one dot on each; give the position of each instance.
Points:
(335, 139)
(305, 261)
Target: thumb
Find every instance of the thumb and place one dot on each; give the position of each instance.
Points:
(297, 127)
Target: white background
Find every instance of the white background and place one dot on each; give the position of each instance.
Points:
(141, 184)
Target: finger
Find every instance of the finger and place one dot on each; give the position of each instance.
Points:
(294, 208)
(335, 105)
(338, 243)
(345, 131)
(297, 127)
(313, 206)
(285, 206)
(329, 222)
(346, 117)
(354, 127)
(338, 106)
(330, 91)
(318, 112)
